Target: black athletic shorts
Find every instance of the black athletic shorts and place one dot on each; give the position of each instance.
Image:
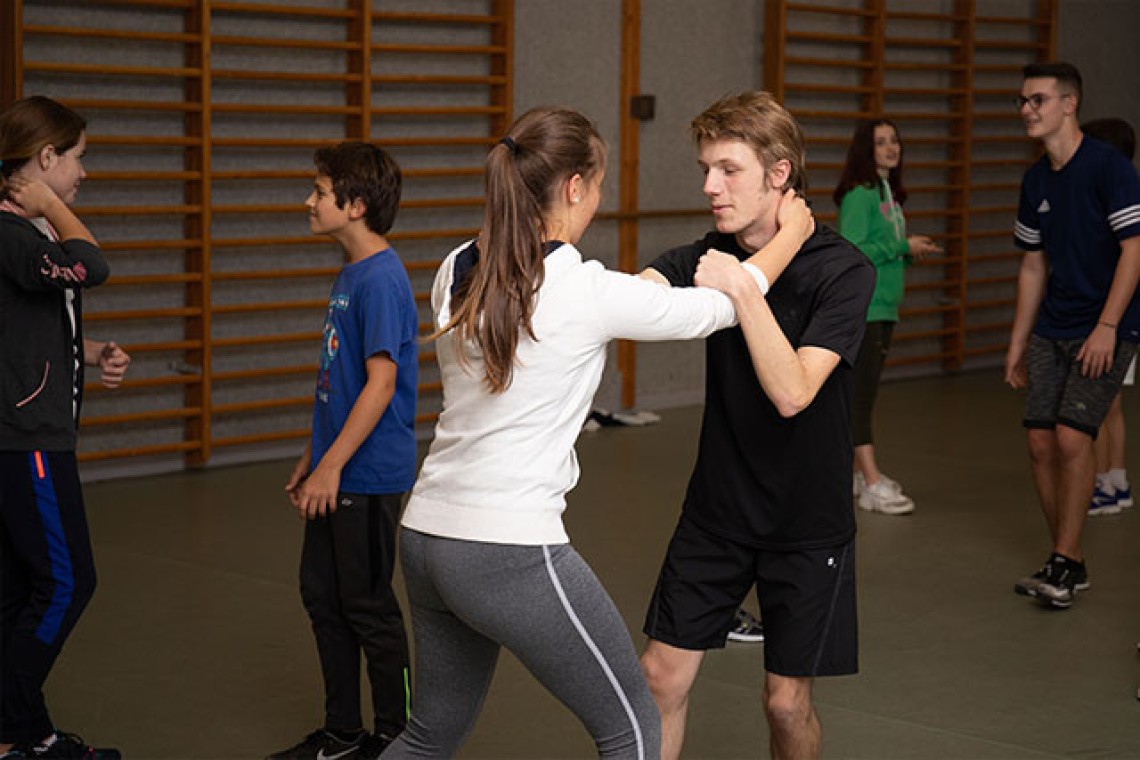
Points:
(807, 601)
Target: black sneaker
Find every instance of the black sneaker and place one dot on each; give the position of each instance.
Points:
(747, 628)
(373, 745)
(1028, 585)
(322, 744)
(68, 746)
(1063, 579)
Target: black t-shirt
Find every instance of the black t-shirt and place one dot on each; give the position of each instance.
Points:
(761, 479)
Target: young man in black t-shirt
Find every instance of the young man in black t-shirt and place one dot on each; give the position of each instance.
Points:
(769, 502)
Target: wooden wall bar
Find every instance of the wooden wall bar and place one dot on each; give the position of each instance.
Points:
(201, 134)
(948, 78)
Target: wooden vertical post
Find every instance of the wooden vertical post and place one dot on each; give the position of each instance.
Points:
(358, 125)
(775, 46)
(876, 27)
(198, 228)
(503, 34)
(11, 51)
(957, 243)
(628, 179)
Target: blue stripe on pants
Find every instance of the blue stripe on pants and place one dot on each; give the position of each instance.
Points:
(58, 552)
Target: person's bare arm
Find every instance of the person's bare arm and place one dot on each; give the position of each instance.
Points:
(1031, 279)
(795, 225)
(315, 495)
(1096, 354)
(790, 377)
(37, 199)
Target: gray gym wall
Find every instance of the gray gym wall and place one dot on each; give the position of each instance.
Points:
(692, 51)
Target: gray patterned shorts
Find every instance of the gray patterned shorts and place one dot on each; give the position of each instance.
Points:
(1060, 394)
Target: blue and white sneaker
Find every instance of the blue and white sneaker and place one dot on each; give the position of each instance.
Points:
(1104, 503)
(1124, 497)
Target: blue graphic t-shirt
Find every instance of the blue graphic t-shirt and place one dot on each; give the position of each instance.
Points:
(371, 311)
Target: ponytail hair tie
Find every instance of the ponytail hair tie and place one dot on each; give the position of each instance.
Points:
(512, 146)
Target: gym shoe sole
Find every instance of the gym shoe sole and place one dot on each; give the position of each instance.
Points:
(896, 505)
(1029, 585)
(746, 638)
(1058, 598)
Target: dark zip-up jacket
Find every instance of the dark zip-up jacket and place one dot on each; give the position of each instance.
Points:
(40, 391)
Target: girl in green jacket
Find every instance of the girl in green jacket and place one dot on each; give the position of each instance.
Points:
(870, 195)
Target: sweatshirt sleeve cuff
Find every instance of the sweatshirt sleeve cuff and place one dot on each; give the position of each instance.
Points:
(761, 280)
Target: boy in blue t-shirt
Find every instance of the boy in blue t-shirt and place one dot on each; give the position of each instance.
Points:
(361, 460)
(1077, 323)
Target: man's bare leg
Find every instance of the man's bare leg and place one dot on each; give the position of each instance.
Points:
(1076, 473)
(1044, 460)
(670, 673)
(794, 728)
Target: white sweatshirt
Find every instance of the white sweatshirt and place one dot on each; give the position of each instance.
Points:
(501, 464)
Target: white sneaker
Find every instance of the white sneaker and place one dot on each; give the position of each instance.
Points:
(881, 497)
(890, 483)
(858, 483)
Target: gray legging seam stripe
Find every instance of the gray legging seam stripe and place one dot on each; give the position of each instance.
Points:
(596, 652)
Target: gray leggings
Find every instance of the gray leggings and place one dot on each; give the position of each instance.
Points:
(545, 605)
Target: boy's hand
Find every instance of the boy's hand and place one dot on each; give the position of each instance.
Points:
(300, 472)
(114, 361)
(316, 495)
(32, 195)
(1096, 354)
(1015, 366)
(794, 212)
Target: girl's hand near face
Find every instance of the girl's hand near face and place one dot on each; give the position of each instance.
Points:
(33, 195)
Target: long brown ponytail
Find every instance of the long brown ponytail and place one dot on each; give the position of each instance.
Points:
(524, 172)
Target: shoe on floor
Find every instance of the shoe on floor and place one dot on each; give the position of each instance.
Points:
(64, 745)
(1028, 585)
(1053, 568)
(858, 483)
(1063, 579)
(1105, 503)
(747, 628)
(323, 744)
(373, 745)
(882, 497)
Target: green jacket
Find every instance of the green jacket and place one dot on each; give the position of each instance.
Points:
(876, 227)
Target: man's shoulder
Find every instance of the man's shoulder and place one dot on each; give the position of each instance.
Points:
(828, 259)
(830, 246)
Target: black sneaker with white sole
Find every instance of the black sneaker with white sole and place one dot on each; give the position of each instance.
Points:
(1063, 579)
(323, 744)
(1030, 585)
(747, 628)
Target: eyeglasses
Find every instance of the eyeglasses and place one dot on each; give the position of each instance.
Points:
(1035, 101)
